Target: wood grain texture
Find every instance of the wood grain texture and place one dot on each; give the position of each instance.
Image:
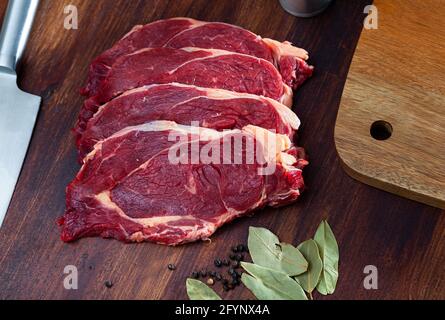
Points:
(398, 75)
(404, 239)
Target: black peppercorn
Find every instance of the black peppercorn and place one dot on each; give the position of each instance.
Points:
(195, 275)
(212, 273)
(108, 284)
(231, 271)
(226, 262)
(232, 256)
(241, 248)
(236, 264)
(225, 281)
(218, 263)
(226, 287)
(203, 273)
(235, 249)
(239, 257)
(171, 267)
(218, 277)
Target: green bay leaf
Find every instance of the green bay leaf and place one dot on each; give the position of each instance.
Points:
(266, 250)
(294, 256)
(196, 290)
(278, 284)
(259, 290)
(309, 279)
(329, 253)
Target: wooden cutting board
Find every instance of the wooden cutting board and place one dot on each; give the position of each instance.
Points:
(396, 85)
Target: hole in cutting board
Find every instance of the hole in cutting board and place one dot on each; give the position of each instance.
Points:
(381, 130)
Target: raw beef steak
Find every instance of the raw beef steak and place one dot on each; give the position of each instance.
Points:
(129, 188)
(205, 68)
(210, 108)
(185, 32)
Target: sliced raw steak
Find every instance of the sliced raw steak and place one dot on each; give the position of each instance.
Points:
(204, 68)
(129, 188)
(210, 108)
(185, 32)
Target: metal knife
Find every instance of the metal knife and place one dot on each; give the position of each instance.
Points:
(18, 109)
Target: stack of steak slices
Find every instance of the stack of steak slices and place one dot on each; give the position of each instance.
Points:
(187, 125)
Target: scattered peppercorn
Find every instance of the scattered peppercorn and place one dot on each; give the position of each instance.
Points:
(236, 256)
(171, 267)
(108, 284)
(218, 263)
(239, 257)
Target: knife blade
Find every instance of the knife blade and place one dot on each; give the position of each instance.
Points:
(18, 109)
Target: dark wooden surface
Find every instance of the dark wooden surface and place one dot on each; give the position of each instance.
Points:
(404, 239)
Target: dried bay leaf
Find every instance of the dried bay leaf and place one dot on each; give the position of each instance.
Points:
(259, 290)
(196, 290)
(295, 257)
(309, 279)
(262, 245)
(267, 251)
(329, 253)
(271, 283)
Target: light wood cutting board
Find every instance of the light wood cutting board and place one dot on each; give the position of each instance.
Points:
(397, 77)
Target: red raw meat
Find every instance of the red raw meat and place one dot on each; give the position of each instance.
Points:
(210, 108)
(128, 189)
(204, 68)
(185, 32)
